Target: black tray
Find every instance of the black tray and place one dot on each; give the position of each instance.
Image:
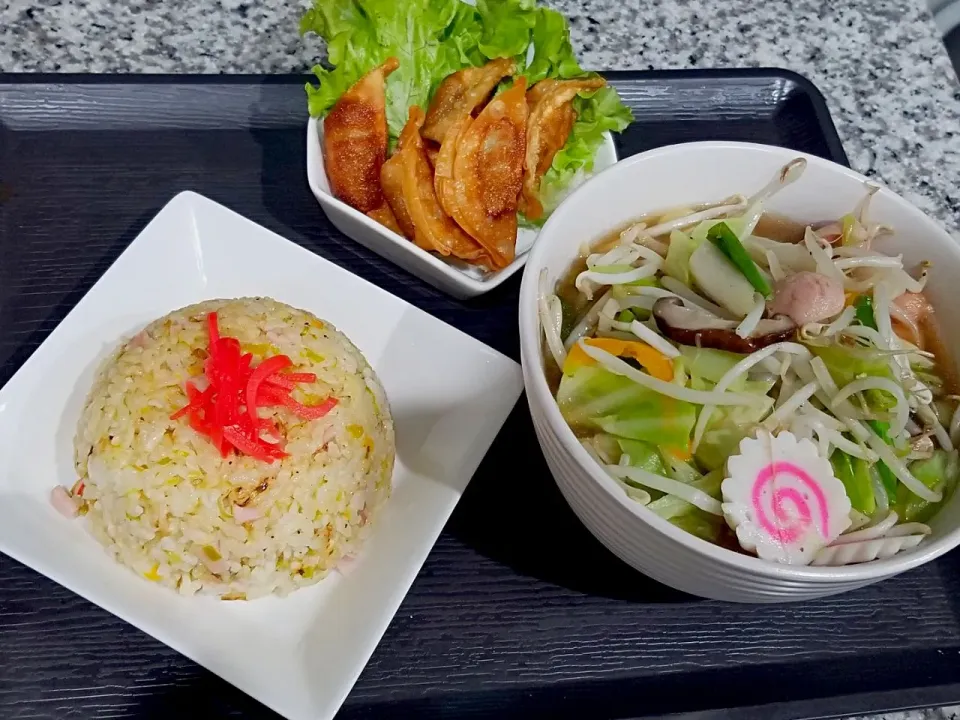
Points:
(518, 612)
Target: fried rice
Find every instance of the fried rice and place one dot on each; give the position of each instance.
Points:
(163, 501)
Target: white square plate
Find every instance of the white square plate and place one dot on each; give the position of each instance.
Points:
(449, 393)
(451, 276)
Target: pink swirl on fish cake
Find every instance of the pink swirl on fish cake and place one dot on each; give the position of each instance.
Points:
(784, 526)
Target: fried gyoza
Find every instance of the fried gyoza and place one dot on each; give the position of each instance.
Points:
(433, 229)
(355, 140)
(384, 215)
(461, 93)
(443, 165)
(391, 180)
(432, 149)
(551, 120)
(481, 191)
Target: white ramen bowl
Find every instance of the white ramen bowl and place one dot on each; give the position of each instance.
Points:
(683, 175)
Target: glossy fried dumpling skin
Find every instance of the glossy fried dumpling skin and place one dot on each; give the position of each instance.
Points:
(548, 128)
(355, 140)
(433, 228)
(391, 180)
(461, 93)
(384, 215)
(481, 188)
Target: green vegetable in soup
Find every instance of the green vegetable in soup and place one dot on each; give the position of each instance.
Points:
(677, 262)
(939, 473)
(854, 473)
(593, 398)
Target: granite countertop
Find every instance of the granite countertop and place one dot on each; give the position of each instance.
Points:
(886, 76)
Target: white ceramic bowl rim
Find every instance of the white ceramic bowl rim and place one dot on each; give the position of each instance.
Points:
(536, 384)
(417, 260)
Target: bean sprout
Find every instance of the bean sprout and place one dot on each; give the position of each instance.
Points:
(845, 412)
(878, 383)
(821, 257)
(794, 403)
(619, 278)
(735, 372)
(753, 318)
(697, 397)
(876, 261)
(620, 255)
(587, 321)
(776, 272)
(693, 219)
(844, 319)
(649, 254)
(551, 318)
(654, 340)
(787, 175)
(841, 443)
(869, 533)
(930, 419)
(695, 497)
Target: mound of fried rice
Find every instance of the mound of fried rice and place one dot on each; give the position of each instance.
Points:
(163, 501)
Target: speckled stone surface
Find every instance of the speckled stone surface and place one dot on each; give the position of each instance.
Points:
(947, 713)
(887, 79)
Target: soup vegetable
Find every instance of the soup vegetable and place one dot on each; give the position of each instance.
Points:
(773, 387)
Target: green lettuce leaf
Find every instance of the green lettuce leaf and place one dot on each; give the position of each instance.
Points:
(430, 38)
(597, 113)
(553, 55)
(507, 26)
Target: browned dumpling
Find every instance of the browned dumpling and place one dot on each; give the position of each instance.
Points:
(433, 228)
(461, 93)
(481, 188)
(355, 140)
(549, 125)
(391, 180)
(384, 215)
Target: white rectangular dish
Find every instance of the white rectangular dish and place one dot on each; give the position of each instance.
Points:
(457, 279)
(449, 393)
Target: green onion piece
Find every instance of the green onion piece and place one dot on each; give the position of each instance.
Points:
(724, 238)
(882, 431)
(864, 308)
(625, 316)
